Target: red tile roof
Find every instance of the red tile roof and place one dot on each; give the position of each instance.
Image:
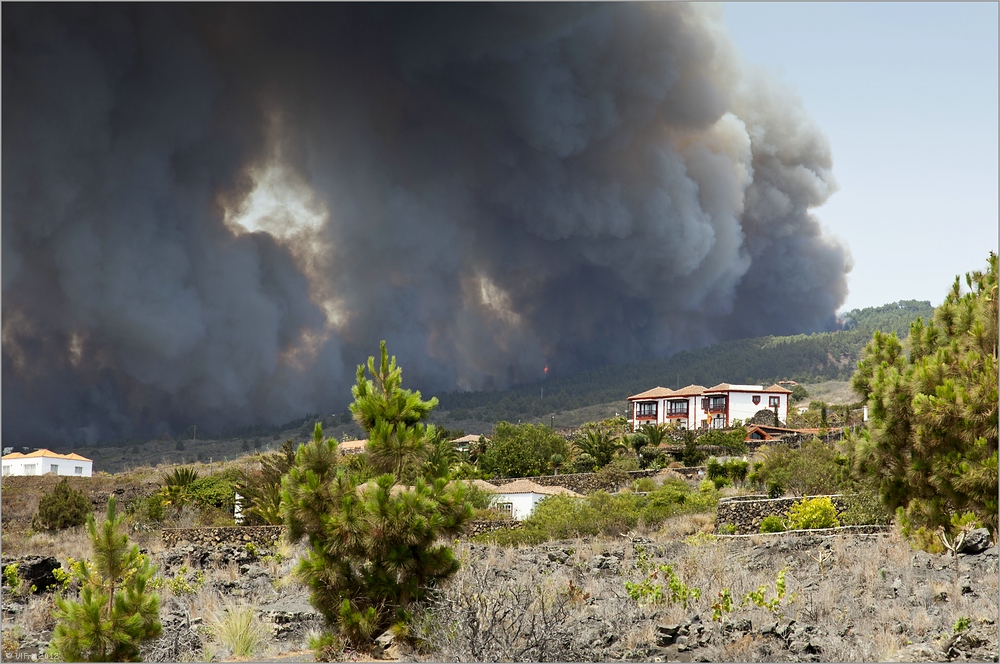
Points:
(48, 454)
(527, 486)
(689, 391)
(655, 393)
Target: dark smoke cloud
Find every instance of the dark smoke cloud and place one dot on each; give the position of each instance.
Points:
(491, 188)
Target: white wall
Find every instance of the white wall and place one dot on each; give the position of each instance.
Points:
(742, 407)
(523, 503)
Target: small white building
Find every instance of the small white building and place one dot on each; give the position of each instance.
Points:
(43, 462)
(518, 498)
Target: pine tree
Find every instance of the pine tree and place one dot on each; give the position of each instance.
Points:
(115, 611)
(932, 438)
(398, 440)
(374, 548)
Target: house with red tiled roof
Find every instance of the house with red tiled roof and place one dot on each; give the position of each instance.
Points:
(43, 462)
(697, 407)
(662, 405)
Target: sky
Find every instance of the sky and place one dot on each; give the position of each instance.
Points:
(906, 94)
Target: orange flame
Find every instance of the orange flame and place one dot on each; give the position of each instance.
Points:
(546, 369)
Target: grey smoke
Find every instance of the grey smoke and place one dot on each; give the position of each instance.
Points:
(506, 187)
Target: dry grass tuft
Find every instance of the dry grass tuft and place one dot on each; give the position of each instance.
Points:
(683, 526)
(238, 630)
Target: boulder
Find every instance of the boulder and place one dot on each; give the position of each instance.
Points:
(975, 542)
(919, 652)
(385, 646)
(36, 571)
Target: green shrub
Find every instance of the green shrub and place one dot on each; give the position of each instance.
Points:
(649, 593)
(733, 440)
(772, 524)
(692, 456)
(727, 529)
(214, 490)
(736, 470)
(644, 484)
(715, 469)
(811, 513)
(11, 577)
(145, 510)
(758, 597)
(721, 482)
(864, 509)
(565, 517)
(816, 468)
(65, 507)
(775, 489)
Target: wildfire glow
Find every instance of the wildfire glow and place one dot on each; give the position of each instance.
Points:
(546, 369)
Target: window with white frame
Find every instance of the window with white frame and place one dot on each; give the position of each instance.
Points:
(506, 508)
(29, 469)
(6, 470)
(54, 468)
(718, 422)
(78, 470)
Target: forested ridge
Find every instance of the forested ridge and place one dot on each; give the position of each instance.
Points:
(804, 358)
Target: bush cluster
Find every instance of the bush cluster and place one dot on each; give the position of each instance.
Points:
(733, 471)
(816, 468)
(811, 513)
(65, 507)
(563, 517)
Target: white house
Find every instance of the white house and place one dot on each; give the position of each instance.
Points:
(518, 498)
(42, 462)
(662, 405)
(724, 403)
(697, 407)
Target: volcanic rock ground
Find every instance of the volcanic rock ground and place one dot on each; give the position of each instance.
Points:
(848, 598)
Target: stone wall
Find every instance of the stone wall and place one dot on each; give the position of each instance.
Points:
(263, 536)
(583, 483)
(479, 527)
(266, 536)
(746, 512)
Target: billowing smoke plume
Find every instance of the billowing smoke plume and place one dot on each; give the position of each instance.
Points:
(211, 214)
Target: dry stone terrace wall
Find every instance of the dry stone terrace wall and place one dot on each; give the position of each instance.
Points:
(263, 536)
(746, 512)
(587, 483)
(479, 527)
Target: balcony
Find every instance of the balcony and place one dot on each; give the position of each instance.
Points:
(714, 405)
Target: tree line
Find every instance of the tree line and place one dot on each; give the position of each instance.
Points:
(804, 358)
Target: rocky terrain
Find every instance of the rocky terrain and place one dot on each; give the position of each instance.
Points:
(847, 598)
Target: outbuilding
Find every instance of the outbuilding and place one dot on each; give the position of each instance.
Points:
(519, 498)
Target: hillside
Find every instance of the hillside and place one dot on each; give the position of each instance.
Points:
(568, 401)
(811, 358)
